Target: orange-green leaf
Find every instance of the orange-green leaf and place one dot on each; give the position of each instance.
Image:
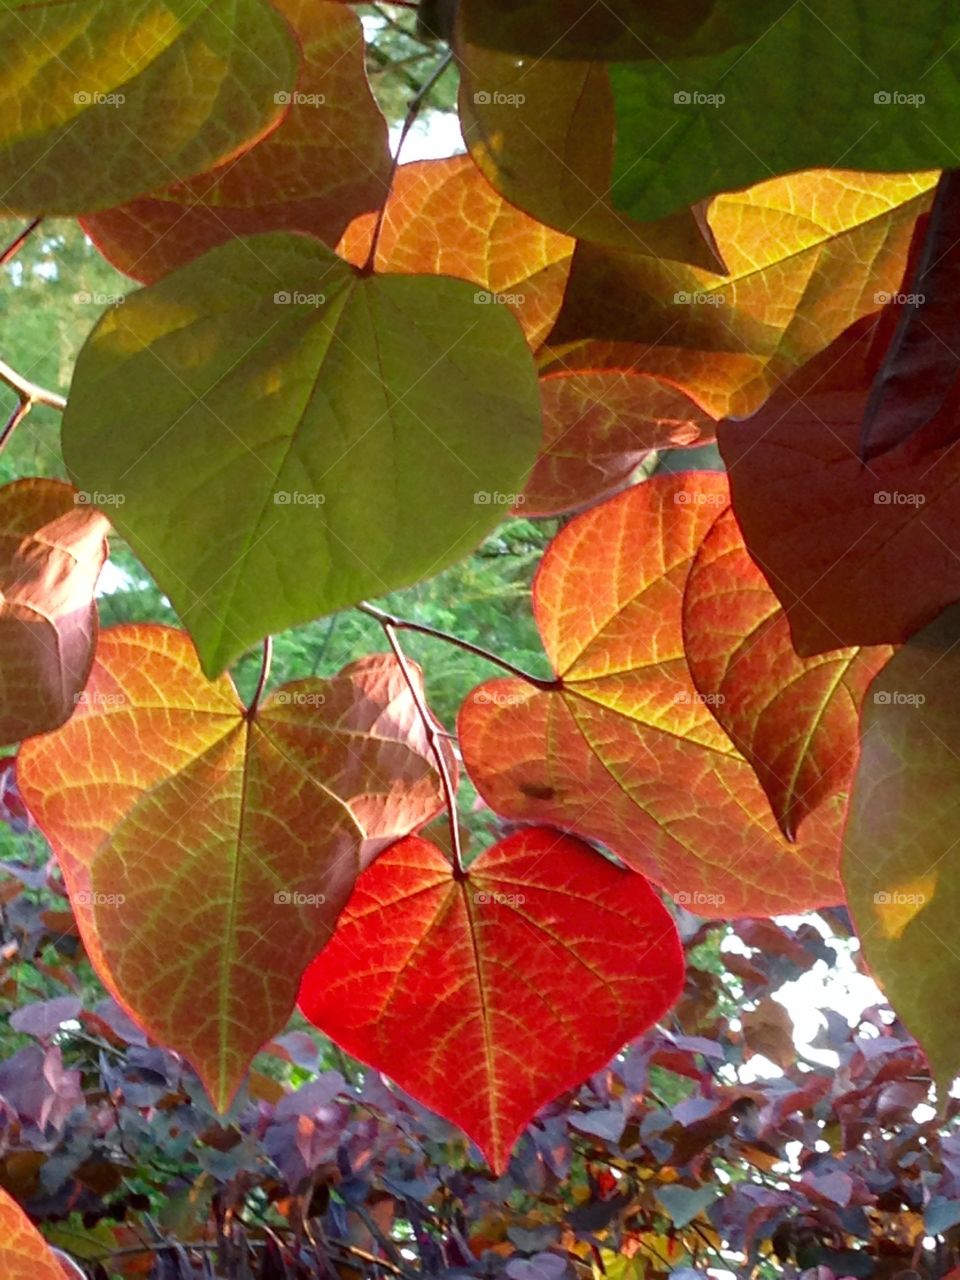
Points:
(444, 218)
(901, 864)
(103, 101)
(326, 163)
(542, 132)
(24, 1254)
(599, 426)
(795, 719)
(52, 548)
(807, 255)
(624, 749)
(520, 980)
(207, 854)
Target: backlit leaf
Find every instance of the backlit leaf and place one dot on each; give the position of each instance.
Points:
(24, 1254)
(326, 163)
(520, 980)
(207, 855)
(103, 101)
(795, 719)
(901, 865)
(839, 540)
(807, 255)
(268, 414)
(625, 750)
(52, 548)
(444, 218)
(861, 95)
(542, 132)
(599, 427)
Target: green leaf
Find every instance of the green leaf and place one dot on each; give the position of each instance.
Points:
(818, 84)
(279, 436)
(101, 101)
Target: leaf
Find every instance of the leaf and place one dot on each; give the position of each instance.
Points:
(807, 255)
(921, 363)
(880, 102)
(326, 163)
(105, 101)
(623, 749)
(207, 855)
(24, 1254)
(288, 420)
(52, 548)
(542, 133)
(795, 719)
(901, 868)
(599, 427)
(520, 980)
(840, 541)
(444, 218)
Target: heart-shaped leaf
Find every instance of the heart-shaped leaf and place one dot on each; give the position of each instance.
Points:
(624, 749)
(268, 414)
(208, 854)
(520, 980)
(105, 101)
(52, 548)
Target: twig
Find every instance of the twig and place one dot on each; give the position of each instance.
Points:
(421, 628)
(14, 247)
(28, 394)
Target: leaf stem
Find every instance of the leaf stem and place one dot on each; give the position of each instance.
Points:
(413, 110)
(14, 247)
(436, 746)
(421, 628)
(265, 662)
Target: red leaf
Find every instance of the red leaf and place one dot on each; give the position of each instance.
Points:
(486, 998)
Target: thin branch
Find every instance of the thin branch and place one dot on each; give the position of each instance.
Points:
(436, 746)
(14, 247)
(29, 391)
(413, 110)
(265, 662)
(421, 628)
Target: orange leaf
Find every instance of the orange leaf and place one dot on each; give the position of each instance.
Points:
(444, 218)
(327, 162)
(24, 1254)
(486, 998)
(624, 749)
(208, 855)
(795, 719)
(858, 553)
(52, 548)
(599, 426)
